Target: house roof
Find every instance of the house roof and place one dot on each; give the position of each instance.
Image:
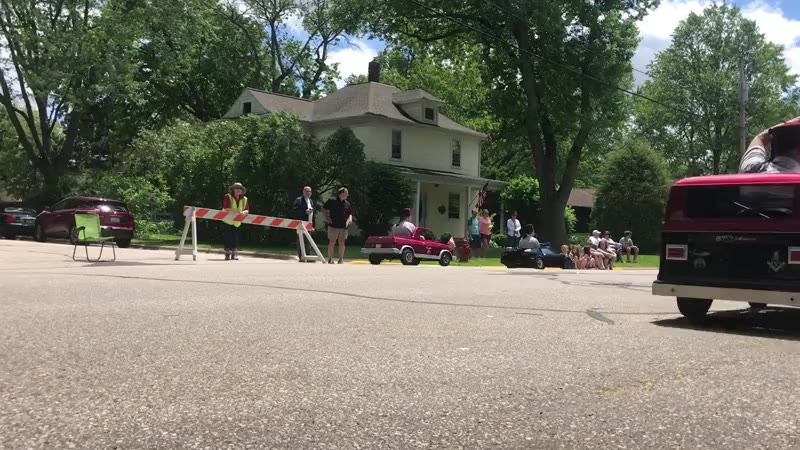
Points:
(404, 97)
(581, 198)
(283, 103)
(445, 175)
(355, 101)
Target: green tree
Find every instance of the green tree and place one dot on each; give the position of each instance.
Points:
(181, 57)
(287, 64)
(632, 194)
(378, 197)
(522, 195)
(55, 66)
(699, 75)
(542, 61)
(17, 177)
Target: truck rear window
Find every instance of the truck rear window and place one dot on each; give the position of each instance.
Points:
(743, 201)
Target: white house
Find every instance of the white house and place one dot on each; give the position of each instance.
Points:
(400, 128)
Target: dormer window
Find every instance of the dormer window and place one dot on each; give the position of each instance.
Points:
(430, 114)
(247, 108)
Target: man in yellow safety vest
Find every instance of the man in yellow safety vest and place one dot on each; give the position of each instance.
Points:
(234, 201)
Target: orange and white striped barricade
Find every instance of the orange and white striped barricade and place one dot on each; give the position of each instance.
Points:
(192, 213)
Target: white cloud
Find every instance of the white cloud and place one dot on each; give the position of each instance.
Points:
(353, 59)
(656, 29)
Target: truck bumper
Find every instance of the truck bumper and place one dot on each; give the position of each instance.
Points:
(381, 251)
(718, 293)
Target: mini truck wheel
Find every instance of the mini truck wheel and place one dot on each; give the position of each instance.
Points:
(694, 308)
(540, 263)
(445, 259)
(375, 260)
(407, 257)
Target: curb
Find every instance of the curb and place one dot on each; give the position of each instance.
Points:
(364, 262)
(279, 256)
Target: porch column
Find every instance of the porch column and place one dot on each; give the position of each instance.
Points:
(467, 211)
(502, 215)
(416, 205)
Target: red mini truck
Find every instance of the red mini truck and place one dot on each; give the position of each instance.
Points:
(422, 245)
(731, 237)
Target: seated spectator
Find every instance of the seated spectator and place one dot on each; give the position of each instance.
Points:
(569, 262)
(611, 255)
(587, 260)
(610, 241)
(529, 241)
(404, 228)
(599, 255)
(627, 247)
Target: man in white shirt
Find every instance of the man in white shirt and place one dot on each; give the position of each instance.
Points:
(513, 231)
(405, 228)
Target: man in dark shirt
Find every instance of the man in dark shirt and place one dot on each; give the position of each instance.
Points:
(338, 216)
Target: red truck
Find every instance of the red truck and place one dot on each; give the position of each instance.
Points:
(731, 237)
(421, 245)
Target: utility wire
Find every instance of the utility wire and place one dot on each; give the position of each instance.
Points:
(543, 59)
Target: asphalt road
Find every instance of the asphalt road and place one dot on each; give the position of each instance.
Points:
(152, 353)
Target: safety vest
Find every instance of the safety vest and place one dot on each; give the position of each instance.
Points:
(237, 207)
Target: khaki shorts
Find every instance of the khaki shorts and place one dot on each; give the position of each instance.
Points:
(337, 234)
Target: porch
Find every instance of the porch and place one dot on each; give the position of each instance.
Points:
(444, 199)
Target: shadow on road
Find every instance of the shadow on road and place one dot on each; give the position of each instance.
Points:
(776, 323)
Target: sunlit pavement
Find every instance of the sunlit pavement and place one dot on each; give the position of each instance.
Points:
(147, 352)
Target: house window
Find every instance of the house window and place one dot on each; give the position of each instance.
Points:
(430, 114)
(247, 107)
(454, 205)
(456, 153)
(397, 144)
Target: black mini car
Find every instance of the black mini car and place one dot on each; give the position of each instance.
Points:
(527, 258)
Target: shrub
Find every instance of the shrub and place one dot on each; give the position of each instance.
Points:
(522, 195)
(632, 195)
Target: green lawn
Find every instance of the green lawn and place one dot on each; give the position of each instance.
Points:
(354, 252)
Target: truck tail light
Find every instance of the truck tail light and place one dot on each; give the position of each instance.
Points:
(794, 255)
(677, 252)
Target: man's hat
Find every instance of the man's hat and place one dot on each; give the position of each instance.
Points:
(238, 185)
(785, 137)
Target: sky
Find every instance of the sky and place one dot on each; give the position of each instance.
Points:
(779, 20)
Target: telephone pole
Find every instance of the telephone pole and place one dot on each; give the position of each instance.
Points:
(743, 94)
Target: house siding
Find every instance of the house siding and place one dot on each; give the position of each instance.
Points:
(423, 147)
(236, 109)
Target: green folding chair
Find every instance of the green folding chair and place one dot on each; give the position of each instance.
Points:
(88, 228)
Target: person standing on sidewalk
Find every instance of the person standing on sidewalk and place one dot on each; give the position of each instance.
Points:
(234, 201)
(513, 231)
(338, 216)
(303, 210)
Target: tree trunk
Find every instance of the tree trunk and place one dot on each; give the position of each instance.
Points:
(50, 192)
(553, 229)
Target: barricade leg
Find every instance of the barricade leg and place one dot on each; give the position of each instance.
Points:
(314, 246)
(186, 226)
(194, 236)
(301, 242)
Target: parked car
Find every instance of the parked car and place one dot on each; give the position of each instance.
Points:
(527, 258)
(421, 245)
(16, 219)
(731, 237)
(59, 220)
